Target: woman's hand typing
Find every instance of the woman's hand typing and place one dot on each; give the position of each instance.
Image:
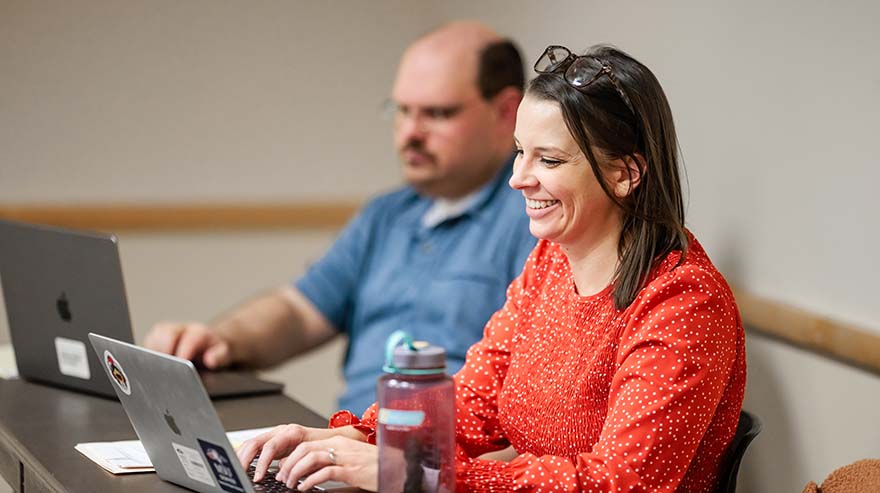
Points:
(314, 455)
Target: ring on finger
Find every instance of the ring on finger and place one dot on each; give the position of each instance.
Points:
(331, 453)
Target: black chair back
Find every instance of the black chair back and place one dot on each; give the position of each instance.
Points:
(746, 430)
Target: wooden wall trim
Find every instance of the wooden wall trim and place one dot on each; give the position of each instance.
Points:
(168, 217)
(845, 342)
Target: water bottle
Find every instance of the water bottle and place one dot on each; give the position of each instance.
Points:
(416, 434)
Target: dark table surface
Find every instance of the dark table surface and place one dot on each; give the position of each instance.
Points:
(40, 425)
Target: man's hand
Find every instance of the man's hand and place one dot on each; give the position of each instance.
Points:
(193, 341)
(262, 332)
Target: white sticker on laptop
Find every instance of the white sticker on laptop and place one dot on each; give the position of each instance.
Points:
(73, 359)
(193, 464)
(117, 373)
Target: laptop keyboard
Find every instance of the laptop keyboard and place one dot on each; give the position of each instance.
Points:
(271, 485)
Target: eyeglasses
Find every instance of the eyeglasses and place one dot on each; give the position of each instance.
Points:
(427, 118)
(577, 70)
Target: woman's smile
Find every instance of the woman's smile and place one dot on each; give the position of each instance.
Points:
(537, 209)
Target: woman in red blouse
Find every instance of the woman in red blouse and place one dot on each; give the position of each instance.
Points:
(617, 363)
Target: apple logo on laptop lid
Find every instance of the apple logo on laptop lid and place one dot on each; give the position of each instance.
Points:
(171, 423)
(63, 307)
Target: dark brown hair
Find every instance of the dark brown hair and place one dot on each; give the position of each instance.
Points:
(599, 120)
(500, 66)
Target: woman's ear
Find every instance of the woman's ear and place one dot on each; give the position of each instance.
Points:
(628, 174)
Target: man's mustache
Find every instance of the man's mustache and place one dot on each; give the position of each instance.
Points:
(418, 147)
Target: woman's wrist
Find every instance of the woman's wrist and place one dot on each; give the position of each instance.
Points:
(313, 434)
(352, 432)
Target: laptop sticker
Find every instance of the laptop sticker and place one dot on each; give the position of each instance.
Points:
(193, 464)
(117, 373)
(222, 467)
(72, 358)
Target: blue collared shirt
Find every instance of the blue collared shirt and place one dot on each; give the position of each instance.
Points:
(441, 283)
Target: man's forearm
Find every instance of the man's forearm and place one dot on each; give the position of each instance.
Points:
(269, 329)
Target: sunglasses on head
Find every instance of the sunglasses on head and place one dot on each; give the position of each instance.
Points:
(579, 71)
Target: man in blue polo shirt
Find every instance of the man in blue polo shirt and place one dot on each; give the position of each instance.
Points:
(434, 257)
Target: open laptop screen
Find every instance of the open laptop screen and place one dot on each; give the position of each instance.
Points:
(61, 284)
(58, 286)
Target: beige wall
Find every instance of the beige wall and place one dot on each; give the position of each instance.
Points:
(775, 104)
(199, 100)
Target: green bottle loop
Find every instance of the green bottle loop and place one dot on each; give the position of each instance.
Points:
(394, 340)
(399, 338)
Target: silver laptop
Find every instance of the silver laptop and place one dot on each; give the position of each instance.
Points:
(59, 285)
(176, 422)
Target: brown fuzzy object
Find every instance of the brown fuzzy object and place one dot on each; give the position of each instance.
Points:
(859, 477)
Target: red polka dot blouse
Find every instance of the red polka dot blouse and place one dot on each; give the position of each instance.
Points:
(596, 399)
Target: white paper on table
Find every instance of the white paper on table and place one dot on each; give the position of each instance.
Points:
(8, 368)
(236, 438)
(129, 456)
(122, 457)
